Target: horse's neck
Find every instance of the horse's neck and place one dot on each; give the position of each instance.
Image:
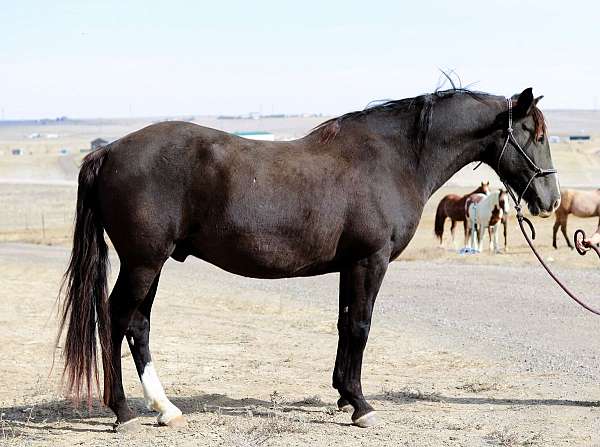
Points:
(438, 163)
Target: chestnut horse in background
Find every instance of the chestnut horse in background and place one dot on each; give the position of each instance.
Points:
(453, 206)
(579, 203)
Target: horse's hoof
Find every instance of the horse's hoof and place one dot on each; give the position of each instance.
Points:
(130, 426)
(176, 422)
(366, 420)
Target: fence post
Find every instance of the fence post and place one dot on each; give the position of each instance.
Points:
(43, 228)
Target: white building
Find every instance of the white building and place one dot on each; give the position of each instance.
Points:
(256, 135)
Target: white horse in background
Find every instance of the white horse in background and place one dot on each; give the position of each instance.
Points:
(486, 212)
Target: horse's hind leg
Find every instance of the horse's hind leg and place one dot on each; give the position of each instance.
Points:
(359, 285)
(138, 338)
(453, 232)
(129, 292)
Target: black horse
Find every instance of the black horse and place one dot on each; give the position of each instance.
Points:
(346, 198)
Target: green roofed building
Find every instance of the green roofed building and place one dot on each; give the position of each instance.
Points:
(256, 135)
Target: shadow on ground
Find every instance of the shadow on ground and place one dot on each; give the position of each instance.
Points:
(45, 416)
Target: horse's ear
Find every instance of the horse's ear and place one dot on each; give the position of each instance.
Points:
(525, 104)
(537, 100)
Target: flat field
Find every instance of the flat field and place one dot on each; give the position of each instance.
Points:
(465, 349)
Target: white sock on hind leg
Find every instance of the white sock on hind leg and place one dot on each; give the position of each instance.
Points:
(155, 396)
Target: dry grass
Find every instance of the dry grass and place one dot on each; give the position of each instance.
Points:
(264, 429)
(11, 432)
(508, 438)
(479, 386)
(411, 394)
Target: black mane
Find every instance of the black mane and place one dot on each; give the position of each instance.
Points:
(329, 129)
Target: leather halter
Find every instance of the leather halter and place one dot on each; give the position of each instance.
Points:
(537, 171)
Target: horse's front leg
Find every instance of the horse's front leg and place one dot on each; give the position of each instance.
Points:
(359, 284)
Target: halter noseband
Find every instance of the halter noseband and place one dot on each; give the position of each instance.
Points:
(537, 171)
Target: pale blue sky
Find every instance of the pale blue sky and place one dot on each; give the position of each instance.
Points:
(146, 58)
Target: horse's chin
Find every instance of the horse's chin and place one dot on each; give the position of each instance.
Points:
(536, 211)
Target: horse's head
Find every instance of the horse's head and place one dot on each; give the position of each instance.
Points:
(521, 155)
(503, 201)
(484, 188)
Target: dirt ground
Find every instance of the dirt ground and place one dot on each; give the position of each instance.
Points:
(453, 359)
(249, 362)
(465, 349)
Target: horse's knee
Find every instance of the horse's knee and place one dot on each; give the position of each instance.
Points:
(359, 331)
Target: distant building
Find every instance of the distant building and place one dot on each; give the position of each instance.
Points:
(17, 152)
(98, 143)
(579, 138)
(554, 139)
(256, 135)
(63, 151)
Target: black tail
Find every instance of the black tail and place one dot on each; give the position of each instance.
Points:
(440, 218)
(85, 305)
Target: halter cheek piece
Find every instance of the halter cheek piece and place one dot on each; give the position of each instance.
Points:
(537, 171)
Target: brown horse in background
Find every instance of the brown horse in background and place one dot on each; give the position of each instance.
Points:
(579, 203)
(453, 206)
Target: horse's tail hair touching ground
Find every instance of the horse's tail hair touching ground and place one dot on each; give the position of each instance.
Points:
(85, 304)
(440, 218)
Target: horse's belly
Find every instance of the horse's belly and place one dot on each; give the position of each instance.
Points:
(585, 210)
(263, 256)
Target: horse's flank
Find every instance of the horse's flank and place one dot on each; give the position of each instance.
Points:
(580, 203)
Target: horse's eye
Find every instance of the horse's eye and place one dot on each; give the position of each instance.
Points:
(540, 139)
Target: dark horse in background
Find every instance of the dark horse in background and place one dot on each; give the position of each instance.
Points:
(346, 198)
(454, 207)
